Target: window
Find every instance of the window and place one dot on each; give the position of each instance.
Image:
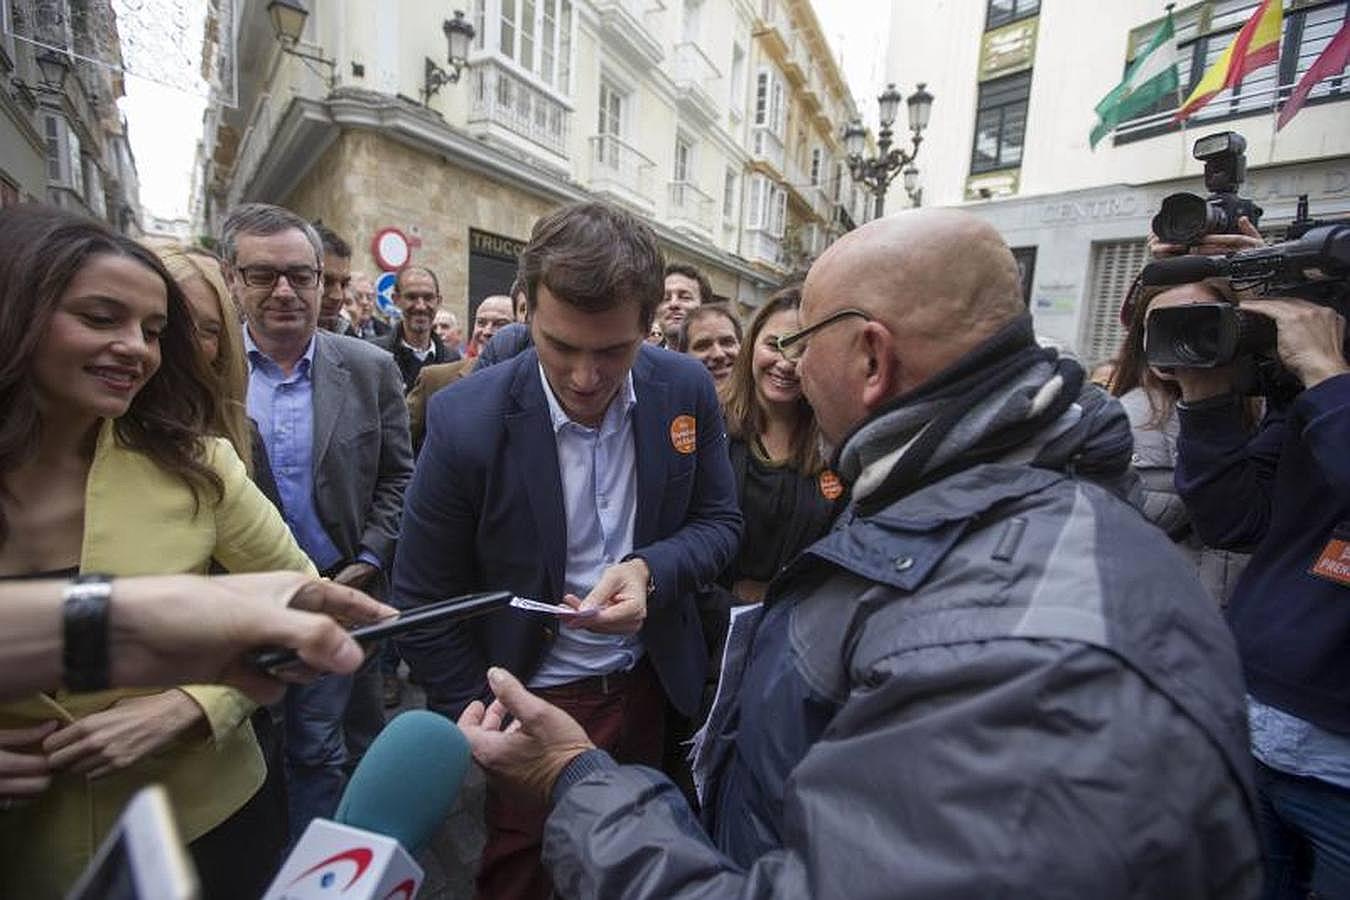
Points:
(817, 162)
(769, 106)
(1026, 270)
(1114, 265)
(65, 168)
(1307, 32)
(537, 36)
(6, 37)
(837, 181)
(613, 106)
(729, 197)
(93, 178)
(690, 25)
(737, 104)
(1001, 12)
(1000, 122)
(479, 23)
(683, 159)
(767, 210)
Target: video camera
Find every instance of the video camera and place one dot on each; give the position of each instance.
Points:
(1186, 218)
(1313, 265)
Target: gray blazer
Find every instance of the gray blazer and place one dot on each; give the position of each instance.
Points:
(362, 455)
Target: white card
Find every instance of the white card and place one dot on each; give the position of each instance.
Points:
(553, 609)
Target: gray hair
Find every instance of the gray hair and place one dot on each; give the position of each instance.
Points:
(264, 219)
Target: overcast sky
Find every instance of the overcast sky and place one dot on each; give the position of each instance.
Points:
(164, 109)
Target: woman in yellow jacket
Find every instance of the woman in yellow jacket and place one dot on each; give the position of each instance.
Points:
(104, 469)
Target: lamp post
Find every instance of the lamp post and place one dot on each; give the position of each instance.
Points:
(876, 172)
(288, 23)
(459, 35)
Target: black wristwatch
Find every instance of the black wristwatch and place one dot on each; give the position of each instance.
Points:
(85, 625)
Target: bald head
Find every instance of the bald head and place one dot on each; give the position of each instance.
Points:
(941, 274)
(934, 283)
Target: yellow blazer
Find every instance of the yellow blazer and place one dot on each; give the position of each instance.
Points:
(140, 520)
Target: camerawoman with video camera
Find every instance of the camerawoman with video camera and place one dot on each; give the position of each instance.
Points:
(1270, 321)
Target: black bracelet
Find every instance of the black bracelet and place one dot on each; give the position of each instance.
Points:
(85, 617)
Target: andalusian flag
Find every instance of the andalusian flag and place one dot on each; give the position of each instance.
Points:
(1152, 76)
(1256, 45)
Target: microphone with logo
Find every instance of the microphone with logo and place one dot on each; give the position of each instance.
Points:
(398, 796)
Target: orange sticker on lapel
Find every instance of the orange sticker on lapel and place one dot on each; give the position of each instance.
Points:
(830, 485)
(684, 434)
(1334, 563)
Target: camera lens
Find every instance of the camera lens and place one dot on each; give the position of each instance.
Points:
(1182, 219)
(1199, 345)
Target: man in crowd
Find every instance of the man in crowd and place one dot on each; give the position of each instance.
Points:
(589, 470)
(331, 415)
(337, 278)
(686, 288)
(1286, 492)
(361, 309)
(493, 314)
(446, 326)
(414, 343)
(972, 686)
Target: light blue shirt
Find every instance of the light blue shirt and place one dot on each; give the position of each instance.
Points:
(599, 486)
(1290, 744)
(283, 407)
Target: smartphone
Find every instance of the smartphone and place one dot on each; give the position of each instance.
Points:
(142, 858)
(274, 661)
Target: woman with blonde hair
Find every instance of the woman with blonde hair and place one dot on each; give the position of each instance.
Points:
(220, 337)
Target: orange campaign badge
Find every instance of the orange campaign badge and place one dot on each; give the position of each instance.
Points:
(831, 488)
(684, 434)
(1334, 562)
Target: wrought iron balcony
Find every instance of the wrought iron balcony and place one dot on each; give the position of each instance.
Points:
(621, 172)
(690, 208)
(695, 79)
(502, 99)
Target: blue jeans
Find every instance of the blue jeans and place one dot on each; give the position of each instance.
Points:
(315, 749)
(1305, 833)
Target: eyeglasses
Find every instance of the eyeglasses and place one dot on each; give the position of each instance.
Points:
(793, 345)
(298, 277)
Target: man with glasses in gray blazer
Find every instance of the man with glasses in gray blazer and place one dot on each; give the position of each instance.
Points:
(331, 414)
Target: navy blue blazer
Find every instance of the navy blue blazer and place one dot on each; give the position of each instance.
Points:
(485, 512)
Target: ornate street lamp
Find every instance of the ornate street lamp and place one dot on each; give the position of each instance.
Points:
(459, 35)
(288, 23)
(876, 173)
(53, 66)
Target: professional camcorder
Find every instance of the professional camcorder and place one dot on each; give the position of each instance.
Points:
(1313, 265)
(1186, 218)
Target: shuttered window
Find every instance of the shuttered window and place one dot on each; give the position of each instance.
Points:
(1114, 265)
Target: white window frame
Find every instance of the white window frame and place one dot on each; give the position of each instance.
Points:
(730, 184)
(557, 78)
(770, 108)
(817, 165)
(684, 170)
(736, 102)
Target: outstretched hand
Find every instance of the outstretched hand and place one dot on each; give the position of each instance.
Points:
(523, 741)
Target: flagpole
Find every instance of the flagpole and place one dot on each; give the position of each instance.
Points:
(1275, 108)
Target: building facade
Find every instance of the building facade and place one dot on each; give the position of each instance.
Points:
(1017, 82)
(716, 120)
(62, 138)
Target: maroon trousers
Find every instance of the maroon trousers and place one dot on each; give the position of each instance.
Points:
(624, 714)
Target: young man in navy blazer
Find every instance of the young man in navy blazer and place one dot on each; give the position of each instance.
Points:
(590, 469)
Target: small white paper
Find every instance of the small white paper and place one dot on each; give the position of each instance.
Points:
(552, 609)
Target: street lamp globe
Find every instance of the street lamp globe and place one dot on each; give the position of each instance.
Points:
(889, 104)
(459, 33)
(53, 66)
(911, 175)
(855, 138)
(288, 18)
(920, 107)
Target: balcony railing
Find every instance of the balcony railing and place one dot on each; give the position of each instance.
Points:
(763, 247)
(690, 207)
(624, 27)
(502, 98)
(695, 77)
(620, 170)
(768, 146)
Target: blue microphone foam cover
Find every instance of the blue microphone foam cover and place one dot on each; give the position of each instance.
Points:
(407, 782)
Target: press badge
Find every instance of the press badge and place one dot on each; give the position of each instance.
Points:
(1333, 563)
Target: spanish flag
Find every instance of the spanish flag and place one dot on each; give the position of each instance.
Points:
(1256, 45)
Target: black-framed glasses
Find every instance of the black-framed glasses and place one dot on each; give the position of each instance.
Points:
(298, 277)
(793, 345)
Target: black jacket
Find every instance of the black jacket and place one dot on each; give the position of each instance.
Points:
(408, 363)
